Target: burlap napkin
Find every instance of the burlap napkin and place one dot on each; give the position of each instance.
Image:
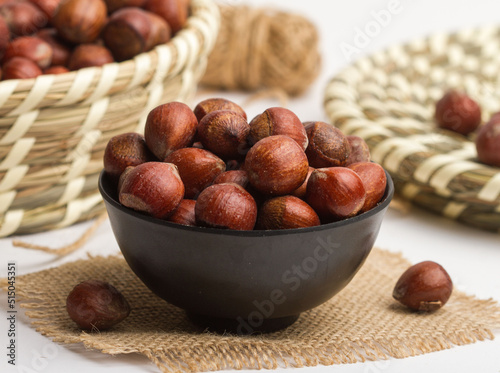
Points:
(361, 323)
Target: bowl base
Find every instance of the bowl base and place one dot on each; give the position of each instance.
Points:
(240, 326)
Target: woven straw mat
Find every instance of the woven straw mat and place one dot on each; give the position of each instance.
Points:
(53, 129)
(360, 323)
(388, 99)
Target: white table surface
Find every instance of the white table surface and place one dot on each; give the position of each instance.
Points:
(472, 257)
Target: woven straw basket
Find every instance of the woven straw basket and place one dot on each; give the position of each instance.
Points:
(389, 98)
(53, 129)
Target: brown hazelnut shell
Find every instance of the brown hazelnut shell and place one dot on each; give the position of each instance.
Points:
(89, 55)
(277, 121)
(197, 168)
(224, 133)
(131, 31)
(80, 21)
(276, 165)
(23, 18)
(300, 192)
(32, 48)
(56, 70)
(239, 177)
(124, 150)
(20, 68)
(360, 152)
(425, 286)
(174, 12)
(226, 206)
(374, 180)
(286, 212)
(488, 142)
(457, 112)
(212, 104)
(48, 7)
(4, 36)
(114, 5)
(169, 127)
(184, 214)
(328, 146)
(154, 188)
(335, 193)
(60, 51)
(96, 305)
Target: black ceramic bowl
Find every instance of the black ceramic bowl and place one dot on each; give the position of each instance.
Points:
(243, 281)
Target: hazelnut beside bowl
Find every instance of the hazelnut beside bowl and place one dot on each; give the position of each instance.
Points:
(243, 281)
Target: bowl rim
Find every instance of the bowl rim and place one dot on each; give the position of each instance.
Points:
(388, 195)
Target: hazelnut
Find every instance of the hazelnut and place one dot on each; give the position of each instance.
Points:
(328, 146)
(239, 177)
(184, 214)
(154, 188)
(335, 193)
(300, 192)
(123, 176)
(89, 55)
(56, 70)
(20, 68)
(23, 18)
(197, 168)
(4, 36)
(169, 127)
(60, 51)
(226, 206)
(32, 48)
(212, 104)
(113, 5)
(174, 12)
(80, 21)
(160, 31)
(425, 286)
(127, 149)
(360, 152)
(374, 180)
(224, 133)
(277, 121)
(488, 142)
(457, 112)
(276, 165)
(131, 31)
(96, 305)
(48, 7)
(286, 212)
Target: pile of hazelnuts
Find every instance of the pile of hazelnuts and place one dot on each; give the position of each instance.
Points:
(209, 167)
(56, 36)
(458, 112)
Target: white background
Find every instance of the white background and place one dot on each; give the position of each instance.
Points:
(472, 257)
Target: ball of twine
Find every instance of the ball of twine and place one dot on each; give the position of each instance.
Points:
(261, 48)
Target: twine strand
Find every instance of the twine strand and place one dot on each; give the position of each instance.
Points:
(67, 249)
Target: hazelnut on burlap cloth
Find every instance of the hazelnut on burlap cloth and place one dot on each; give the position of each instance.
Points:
(360, 323)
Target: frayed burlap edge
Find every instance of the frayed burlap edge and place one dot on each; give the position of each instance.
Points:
(306, 343)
